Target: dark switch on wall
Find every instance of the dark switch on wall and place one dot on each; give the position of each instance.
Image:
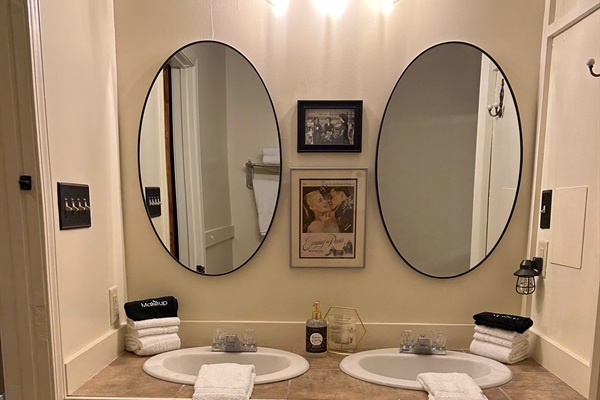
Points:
(74, 206)
(546, 209)
(153, 203)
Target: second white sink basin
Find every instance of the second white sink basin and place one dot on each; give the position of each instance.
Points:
(390, 368)
(182, 366)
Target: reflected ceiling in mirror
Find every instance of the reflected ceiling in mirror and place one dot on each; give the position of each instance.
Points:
(206, 114)
(449, 160)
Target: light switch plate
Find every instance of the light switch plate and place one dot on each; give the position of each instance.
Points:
(113, 297)
(74, 206)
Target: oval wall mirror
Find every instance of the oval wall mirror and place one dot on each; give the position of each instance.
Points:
(449, 160)
(209, 158)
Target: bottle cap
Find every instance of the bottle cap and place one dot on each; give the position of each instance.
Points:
(316, 314)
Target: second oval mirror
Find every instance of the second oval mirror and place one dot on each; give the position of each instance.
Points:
(209, 158)
(448, 160)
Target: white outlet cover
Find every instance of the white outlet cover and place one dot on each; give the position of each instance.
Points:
(113, 303)
(543, 253)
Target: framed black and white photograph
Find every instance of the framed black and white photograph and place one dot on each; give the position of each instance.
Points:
(328, 217)
(330, 126)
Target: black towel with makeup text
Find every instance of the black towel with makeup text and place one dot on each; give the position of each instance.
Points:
(513, 323)
(161, 307)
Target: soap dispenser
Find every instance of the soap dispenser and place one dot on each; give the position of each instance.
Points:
(316, 334)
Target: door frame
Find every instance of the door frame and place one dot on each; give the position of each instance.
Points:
(29, 317)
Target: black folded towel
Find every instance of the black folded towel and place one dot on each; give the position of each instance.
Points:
(507, 322)
(161, 307)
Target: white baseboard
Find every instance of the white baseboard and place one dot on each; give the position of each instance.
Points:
(292, 333)
(566, 365)
(86, 363)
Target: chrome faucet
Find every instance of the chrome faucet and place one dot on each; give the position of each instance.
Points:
(223, 342)
(423, 345)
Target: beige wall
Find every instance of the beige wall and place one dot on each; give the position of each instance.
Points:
(80, 93)
(304, 55)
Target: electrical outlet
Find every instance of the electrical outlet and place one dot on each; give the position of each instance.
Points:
(543, 253)
(113, 296)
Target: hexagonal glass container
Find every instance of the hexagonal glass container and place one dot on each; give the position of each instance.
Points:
(345, 330)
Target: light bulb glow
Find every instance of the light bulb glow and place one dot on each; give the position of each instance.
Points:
(331, 8)
(280, 7)
(386, 6)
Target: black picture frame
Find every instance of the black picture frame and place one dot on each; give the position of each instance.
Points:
(345, 133)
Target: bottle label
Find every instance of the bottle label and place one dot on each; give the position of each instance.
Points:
(316, 340)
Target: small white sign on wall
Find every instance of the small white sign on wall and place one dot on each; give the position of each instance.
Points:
(568, 226)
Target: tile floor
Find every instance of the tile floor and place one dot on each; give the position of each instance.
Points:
(323, 381)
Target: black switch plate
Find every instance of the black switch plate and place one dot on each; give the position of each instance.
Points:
(153, 203)
(546, 210)
(74, 206)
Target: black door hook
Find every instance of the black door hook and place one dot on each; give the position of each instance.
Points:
(25, 182)
(590, 63)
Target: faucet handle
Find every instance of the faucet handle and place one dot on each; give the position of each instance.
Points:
(248, 340)
(248, 337)
(218, 340)
(439, 341)
(407, 339)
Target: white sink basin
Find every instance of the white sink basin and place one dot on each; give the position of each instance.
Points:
(182, 366)
(390, 368)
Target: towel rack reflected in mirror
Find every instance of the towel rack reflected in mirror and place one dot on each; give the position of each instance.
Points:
(250, 165)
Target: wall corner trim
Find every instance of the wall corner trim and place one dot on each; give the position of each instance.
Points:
(87, 362)
(573, 369)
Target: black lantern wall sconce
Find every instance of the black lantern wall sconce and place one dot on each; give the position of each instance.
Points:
(526, 274)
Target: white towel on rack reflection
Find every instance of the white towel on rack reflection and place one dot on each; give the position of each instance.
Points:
(270, 155)
(265, 195)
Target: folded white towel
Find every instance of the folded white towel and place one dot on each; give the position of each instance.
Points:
(484, 337)
(447, 386)
(151, 345)
(153, 323)
(503, 354)
(227, 381)
(270, 151)
(501, 333)
(266, 188)
(161, 330)
(272, 160)
(270, 155)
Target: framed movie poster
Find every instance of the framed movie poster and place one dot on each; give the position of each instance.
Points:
(328, 217)
(330, 126)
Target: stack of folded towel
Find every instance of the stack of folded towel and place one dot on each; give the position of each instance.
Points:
(450, 386)
(501, 337)
(270, 155)
(152, 326)
(227, 381)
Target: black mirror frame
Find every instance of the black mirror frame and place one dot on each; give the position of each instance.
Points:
(520, 163)
(139, 154)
